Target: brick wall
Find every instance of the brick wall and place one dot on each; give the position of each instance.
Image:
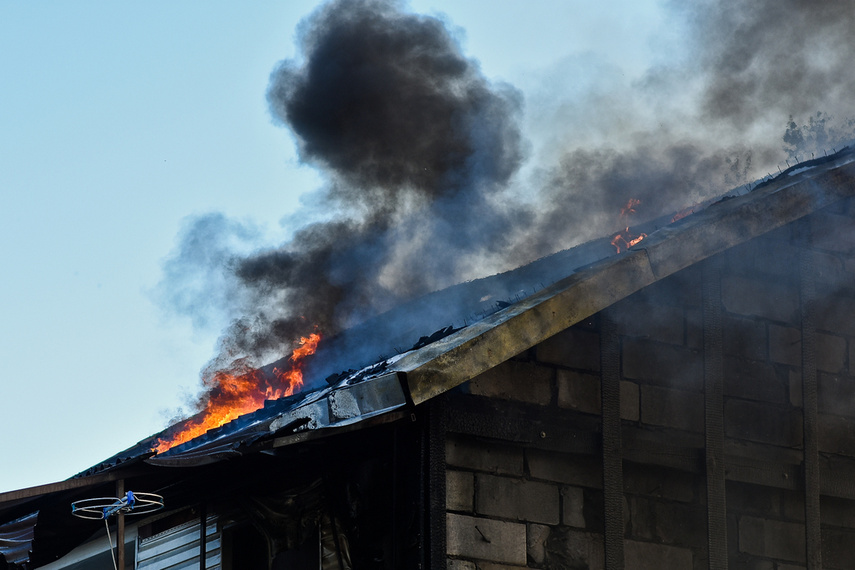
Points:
(531, 497)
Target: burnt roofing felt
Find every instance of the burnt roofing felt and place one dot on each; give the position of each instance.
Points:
(534, 303)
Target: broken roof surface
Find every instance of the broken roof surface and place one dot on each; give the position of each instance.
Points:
(539, 304)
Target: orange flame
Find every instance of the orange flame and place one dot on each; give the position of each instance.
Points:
(683, 213)
(630, 207)
(237, 392)
(624, 238)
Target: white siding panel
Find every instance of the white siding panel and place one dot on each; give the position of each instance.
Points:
(178, 548)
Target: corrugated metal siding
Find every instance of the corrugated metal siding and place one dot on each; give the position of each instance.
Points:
(178, 548)
(16, 538)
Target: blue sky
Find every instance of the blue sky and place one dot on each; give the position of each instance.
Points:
(121, 121)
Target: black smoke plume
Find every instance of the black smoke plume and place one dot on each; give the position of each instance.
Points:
(386, 102)
(422, 153)
(764, 59)
(417, 146)
(708, 122)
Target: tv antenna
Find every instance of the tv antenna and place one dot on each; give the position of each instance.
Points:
(102, 508)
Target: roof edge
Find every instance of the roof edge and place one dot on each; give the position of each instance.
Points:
(9, 497)
(441, 366)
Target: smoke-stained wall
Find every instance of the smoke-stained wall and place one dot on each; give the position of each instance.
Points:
(525, 469)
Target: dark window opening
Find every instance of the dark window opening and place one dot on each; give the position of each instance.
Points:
(245, 548)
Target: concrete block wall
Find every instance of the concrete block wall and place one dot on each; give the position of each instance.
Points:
(763, 383)
(516, 506)
(513, 505)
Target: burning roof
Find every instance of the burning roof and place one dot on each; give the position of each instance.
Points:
(419, 152)
(421, 155)
(589, 278)
(507, 314)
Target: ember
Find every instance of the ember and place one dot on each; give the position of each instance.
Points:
(239, 391)
(683, 213)
(624, 238)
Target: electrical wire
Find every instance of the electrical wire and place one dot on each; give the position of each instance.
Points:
(110, 540)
